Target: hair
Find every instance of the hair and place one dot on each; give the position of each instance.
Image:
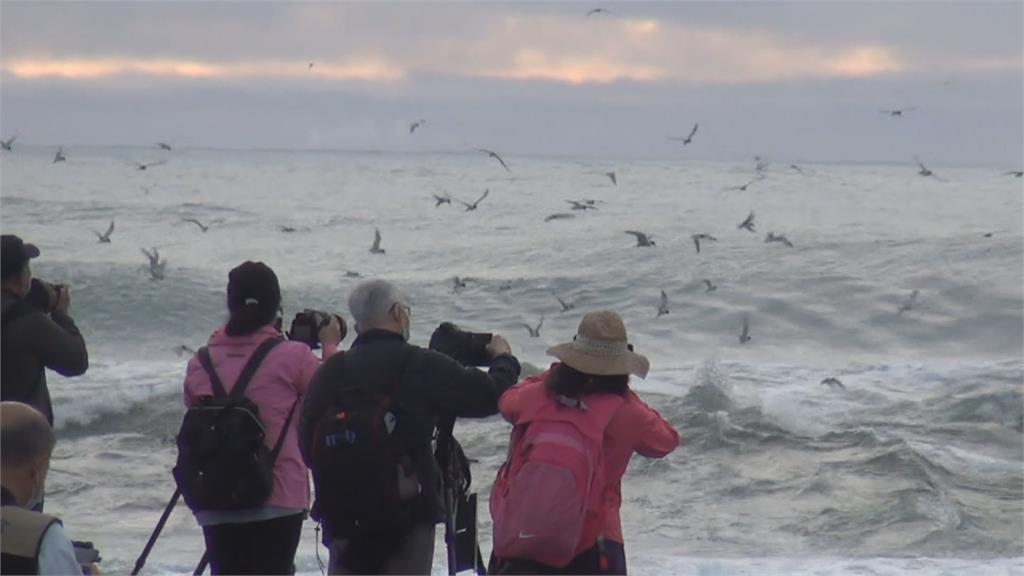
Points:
(251, 280)
(371, 302)
(24, 438)
(568, 381)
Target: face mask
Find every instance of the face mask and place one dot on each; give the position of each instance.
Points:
(405, 329)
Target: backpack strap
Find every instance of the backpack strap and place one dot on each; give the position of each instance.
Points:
(284, 432)
(247, 372)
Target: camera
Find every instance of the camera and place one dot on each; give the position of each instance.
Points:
(307, 324)
(39, 295)
(86, 555)
(467, 348)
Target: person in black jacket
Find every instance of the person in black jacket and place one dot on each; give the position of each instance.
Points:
(429, 384)
(34, 339)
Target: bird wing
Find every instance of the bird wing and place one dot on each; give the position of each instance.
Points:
(480, 199)
(696, 242)
(110, 229)
(919, 163)
(694, 131)
(539, 324)
(746, 327)
(611, 175)
(664, 300)
(11, 141)
(640, 236)
(498, 158)
(149, 256)
(158, 163)
(376, 238)
(707, 283)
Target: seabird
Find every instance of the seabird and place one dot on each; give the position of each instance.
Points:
(662, 305)
(352, 274)
(743, 188)
(494, 155)
(897, 111)
(473, 206)
(59, 156)
(183, 349)
(710, 287)
(598, 11)
(761, 164)
(987, 234)
(6, 144)
(582, 204)
(832, 382)
(611, 176)
(415, 125)
(642, 240)
(909, 304)
(797, 168)
(534, 330)
(745, 332)
(105, 237)
(376, 249)
(442, 199)
(924, 171)
(310, 67)
(566, 306)
(559, 216)
(689, 138)
(747, 224)
(142, 166)
(286, 229)
(458, 283)
(781, 238)
(164, 146)
(202, 227)
(698, 237)
(1016, 173)
(156, 265)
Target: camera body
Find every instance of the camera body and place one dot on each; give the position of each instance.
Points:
(87, 556)
(467, 348)
(306, 327)
(39, 295)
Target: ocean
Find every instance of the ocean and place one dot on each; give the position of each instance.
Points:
(913, 467)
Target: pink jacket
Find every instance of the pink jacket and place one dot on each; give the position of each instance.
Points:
(635, 428)
(281, 379)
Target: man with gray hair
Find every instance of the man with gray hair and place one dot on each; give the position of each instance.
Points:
(379, 404)
(30, 542)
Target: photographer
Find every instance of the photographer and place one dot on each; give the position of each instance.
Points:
(260, 537)
(38, 333)
(366, 430)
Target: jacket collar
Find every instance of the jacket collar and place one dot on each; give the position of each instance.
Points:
(376, 336)
(221, 338)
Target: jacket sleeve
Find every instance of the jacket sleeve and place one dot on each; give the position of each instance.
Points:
(514, 400)
(57, 342)
(315, 404)
(465, 392)
(656, 438)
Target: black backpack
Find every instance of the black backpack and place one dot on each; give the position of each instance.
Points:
(358, 455)
(223, 462)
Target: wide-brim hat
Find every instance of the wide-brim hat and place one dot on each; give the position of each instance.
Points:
(601, 348)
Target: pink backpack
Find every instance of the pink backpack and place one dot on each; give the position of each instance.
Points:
(552, 479)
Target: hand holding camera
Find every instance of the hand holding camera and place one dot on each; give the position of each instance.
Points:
(497, 346)
(49, 298)
(313, 328)
(468, 348)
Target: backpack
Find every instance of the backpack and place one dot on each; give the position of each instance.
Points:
(363, 476)
(552, 480)
(223, 461)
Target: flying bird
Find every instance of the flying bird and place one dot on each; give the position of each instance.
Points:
(760, 164)
(202, 227)
(442, 199)
(474, 205)
(924, 171)
(376, 249)
(105, 237)
(458, 283)
(642, 240)
(710, 287)
(598, 11)
(582, 204)
(415, 125)
(156, 265)
(164, 146)
(743, 188)
(987, 234)
(745, 332)
(352, 274)
(796, 168)
(698, 237)
(908, 305)
(833, 382)
(897, 111)
(143, 166)
(611, 176)
(6, 144)
(662, 305)
(534, 330)
(183, 349)
(310, 67)
(566, 306)
(1015, 173)
(689, 138)
(59, 156)
(559, 216)
(780, 238)
(494, 155)
(747, 224)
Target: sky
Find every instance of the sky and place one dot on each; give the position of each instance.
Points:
(797, 81)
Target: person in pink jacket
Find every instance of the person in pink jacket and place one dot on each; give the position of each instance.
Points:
(598, 361)
(261, 540)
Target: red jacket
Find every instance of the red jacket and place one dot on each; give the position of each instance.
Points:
(635, 428)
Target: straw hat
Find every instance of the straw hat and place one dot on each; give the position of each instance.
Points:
(600, 347)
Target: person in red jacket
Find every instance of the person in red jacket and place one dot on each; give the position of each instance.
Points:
(598, 361)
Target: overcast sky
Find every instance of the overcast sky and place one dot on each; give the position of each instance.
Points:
(790, 81)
